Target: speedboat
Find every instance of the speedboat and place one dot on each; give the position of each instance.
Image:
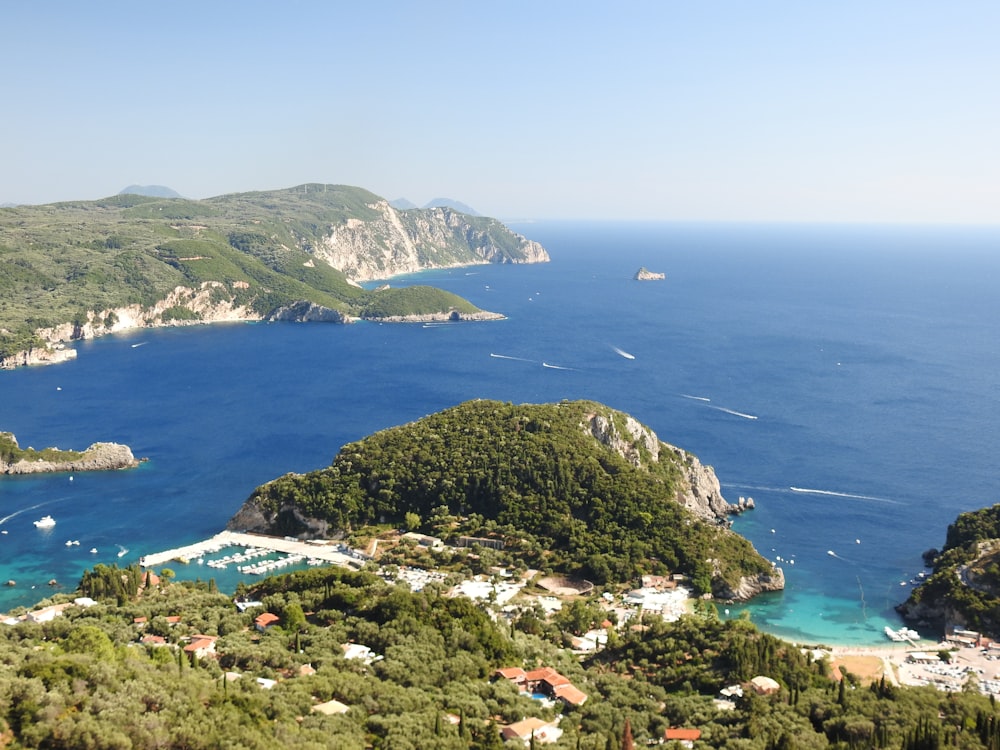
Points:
(45, 522)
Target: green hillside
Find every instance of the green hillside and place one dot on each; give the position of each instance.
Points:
(964, 589)
(62, 263)
(533, 475)
(124, 673)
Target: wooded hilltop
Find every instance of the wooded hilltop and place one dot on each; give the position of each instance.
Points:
(81, 269)
(575, 487)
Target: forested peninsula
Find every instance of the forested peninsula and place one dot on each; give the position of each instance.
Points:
(964, 589)
(98, 457)
(575, 487)
(75, 270)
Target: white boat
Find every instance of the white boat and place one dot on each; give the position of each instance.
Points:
(45, 522)
(903, 634)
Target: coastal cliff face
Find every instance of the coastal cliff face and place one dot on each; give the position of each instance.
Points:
(700, 490)
(98, 457)
(210, 302)
(47, 355)
(407, 241)
(749, 586)
(286, 520)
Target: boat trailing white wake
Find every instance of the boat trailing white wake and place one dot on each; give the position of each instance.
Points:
(622, 353)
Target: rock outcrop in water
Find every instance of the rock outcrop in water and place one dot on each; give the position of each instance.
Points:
(644, 274)
(98, 457)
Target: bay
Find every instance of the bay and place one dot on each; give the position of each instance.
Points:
(855, 364)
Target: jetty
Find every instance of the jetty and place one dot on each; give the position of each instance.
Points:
(333, 553)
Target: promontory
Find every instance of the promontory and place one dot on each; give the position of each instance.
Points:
(575, 487)
(76, 270)
(98, 457)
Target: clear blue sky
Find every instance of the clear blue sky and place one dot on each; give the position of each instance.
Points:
(675, 110)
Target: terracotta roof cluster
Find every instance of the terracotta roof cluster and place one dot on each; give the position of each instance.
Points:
(546, 680)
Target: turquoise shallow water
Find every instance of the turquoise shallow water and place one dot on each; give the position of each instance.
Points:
(855, 364)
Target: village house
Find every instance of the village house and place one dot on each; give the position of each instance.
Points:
(514, 674)
(265, 620)
(764, 685)
(47, 614)
(532, 730)
(546, 681)
(687, 737)
(360, 652)
(431, 542)
(331, 708)
(201, 646)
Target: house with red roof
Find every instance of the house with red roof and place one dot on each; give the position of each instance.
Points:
(263, 621)
(532, 730)
(544, 680)
(570, 695)
(201, 645)
(513, 674)
(686, 737)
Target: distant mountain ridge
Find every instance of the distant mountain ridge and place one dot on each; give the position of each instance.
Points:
(152, 191)
(79, 269)
(402, 204)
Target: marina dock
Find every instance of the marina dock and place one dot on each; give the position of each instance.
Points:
(335, 554)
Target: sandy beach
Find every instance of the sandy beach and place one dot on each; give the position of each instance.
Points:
(906, 664)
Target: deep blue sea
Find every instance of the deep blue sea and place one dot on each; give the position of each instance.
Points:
(846, 378)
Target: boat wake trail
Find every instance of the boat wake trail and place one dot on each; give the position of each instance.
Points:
(622, 353)
(849, 495)
(516, 359)
(19, 512)
(734, 413)
(556, 367)
(695, 398)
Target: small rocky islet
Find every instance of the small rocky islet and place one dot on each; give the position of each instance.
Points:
(98, 457)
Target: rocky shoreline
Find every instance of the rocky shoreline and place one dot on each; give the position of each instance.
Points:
(98, 457)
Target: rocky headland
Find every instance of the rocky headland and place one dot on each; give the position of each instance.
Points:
(98, 457)
(550, 471)
(287, 255)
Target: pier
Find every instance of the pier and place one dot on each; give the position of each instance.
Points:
(334, 554)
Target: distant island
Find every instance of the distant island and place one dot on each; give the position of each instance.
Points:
(644, 274)
(82, 269)
(98, 457)
(575, 487)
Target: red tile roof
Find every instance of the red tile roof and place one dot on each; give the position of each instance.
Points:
(265, 620)
(676, 733)
(570, 694)
(515, 674)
